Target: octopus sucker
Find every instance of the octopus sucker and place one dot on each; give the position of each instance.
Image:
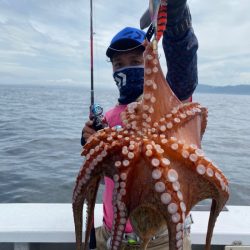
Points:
(156, 162)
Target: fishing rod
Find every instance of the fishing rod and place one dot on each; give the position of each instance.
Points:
(93, 115)
(91, 56)
(96, 111)
(92, 240)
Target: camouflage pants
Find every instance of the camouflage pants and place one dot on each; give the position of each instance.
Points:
(161, 243)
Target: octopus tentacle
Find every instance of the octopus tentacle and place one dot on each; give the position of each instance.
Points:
(176, 208)
(120, 217)
(78, 220)
(86, 188)
(165, 180)
(129, 156)
(179, 117)
(78, 202)
(155, 86)
(197, 162)
(216, 207)
(91, 199)
(104, 136)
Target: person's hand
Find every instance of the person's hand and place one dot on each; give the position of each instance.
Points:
(88, 130)
(176, 11)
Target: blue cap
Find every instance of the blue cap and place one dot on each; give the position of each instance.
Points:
(127, 38)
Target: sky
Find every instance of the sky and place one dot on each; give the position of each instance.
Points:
(47, 41)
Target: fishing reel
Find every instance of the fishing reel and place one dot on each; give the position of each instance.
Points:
(96, 115)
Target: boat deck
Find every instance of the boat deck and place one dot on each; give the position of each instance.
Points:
(25, 223)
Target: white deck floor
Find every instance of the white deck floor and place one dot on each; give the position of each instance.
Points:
(54, 223)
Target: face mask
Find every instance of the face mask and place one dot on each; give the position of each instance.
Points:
(129, 81)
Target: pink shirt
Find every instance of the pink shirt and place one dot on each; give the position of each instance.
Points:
(113, 118)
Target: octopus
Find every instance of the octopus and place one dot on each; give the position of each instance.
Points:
(156, 162)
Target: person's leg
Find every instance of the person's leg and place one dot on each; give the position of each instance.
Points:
(162, 243)
(159, 243)
(102, 235)
(187, 242)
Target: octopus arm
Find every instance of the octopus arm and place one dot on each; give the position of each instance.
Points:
(91, 200)
(86, 187)
(200, 179)
(102, 158)
(165, 205)
(87, 193)
(120, 218)
(185, 121)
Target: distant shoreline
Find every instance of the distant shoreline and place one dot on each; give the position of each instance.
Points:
(234, 90)
(201, 88)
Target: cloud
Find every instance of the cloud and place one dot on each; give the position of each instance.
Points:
(221, 27)
(48, 41)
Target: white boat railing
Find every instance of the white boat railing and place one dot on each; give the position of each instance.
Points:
(24, 223)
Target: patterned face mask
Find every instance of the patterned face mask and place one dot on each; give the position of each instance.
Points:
(129, 81)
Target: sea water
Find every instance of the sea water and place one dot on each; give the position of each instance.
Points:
(40, 130)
